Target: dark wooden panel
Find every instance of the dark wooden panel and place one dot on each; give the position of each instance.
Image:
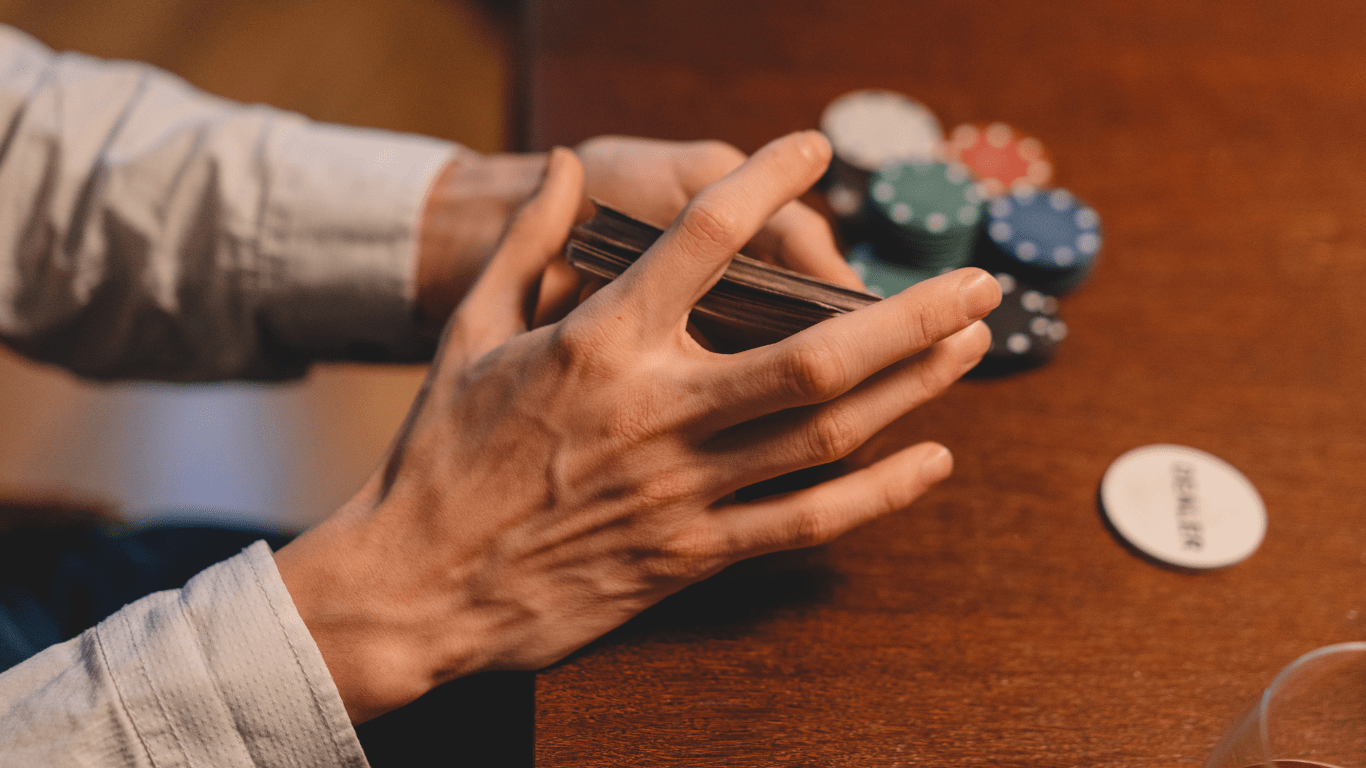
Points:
(996, 621)
(426, 66)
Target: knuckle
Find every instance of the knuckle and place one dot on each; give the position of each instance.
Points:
(927, 376)
(574, 344)
(894, 496)
(833, 435)
(711, 223)
(816, 372)
(584, 346)
(925, 329)
(687, 555)
(694, 547)
(812, 526)
(934, 379)
(663, 490)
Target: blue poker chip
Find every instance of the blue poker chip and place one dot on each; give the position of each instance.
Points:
(1047, 237)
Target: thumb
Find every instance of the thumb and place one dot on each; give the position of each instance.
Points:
(495, 309)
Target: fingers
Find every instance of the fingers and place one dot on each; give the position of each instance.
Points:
(497, 306)
(539, 230)
(831, 357)
(692, 254)
(700, 164)
(560, 287)
(800, 239)
(818, 514)
(795, 237)
(804, 437)
(653, 180)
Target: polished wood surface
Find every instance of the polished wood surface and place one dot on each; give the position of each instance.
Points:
(997, 621)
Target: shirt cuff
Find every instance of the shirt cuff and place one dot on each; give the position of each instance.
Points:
(338, 240)
(223, 672)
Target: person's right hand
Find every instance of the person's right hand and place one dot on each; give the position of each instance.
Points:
(551, 484)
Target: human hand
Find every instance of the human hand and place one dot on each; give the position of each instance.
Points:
(466, 212)
(548, 485)
(474, 197)
(653, 180)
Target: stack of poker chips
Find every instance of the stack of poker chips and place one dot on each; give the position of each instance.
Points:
(1025, 329)
(885, 278)
(868, 129)
(1000, 157)
(923, 215)
(1047, 238)
(911, 217)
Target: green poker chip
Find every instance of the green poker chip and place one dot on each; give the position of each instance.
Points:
(924, 215)
(886, 278)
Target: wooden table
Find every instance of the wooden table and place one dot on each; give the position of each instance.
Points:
(996, 621)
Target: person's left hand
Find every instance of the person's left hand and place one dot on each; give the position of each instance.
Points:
(653, 180)
(475, 196)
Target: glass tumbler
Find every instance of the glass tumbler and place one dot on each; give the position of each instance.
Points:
(1312, 715)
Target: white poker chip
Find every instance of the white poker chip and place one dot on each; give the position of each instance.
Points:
(871, 128)
(1183, 506)
(844, 202)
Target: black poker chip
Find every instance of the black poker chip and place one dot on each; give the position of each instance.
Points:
(1025, 329)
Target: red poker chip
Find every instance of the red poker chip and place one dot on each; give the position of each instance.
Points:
(1000, 157)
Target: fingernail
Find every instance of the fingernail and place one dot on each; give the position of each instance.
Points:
(980, 293)
(938, 466)
(976, 342)
(814, 145)
(555, 160)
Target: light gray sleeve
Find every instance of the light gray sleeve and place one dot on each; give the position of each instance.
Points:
(150, 230)
(221, 673)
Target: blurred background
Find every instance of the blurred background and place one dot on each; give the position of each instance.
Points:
(278, 455)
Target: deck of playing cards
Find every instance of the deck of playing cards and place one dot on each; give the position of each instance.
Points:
(753, 303)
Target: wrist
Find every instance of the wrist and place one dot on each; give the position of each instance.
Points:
(467, 209)
(386, 639)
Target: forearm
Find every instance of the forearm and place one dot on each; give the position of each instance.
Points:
(150, 230)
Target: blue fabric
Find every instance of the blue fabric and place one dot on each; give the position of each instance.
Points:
(56, 583)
